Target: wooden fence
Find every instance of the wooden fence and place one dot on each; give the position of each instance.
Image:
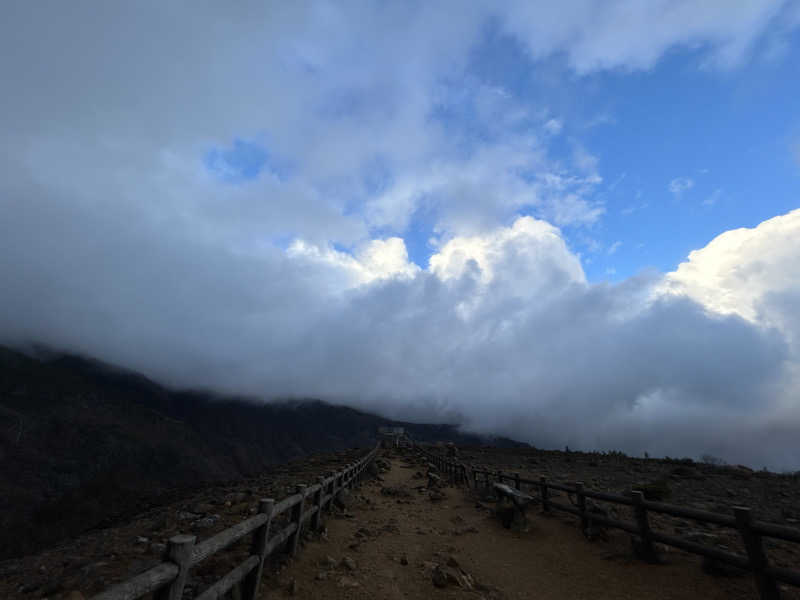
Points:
(168, 579)
(751, 530)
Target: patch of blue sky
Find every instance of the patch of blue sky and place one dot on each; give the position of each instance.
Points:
(244, 160)
(418, 236)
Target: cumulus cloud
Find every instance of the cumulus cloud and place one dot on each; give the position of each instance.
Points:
(739, 271)
(502, 334)
(378, 259)
(121, 238)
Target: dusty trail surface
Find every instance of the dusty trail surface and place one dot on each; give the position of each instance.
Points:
(394, 542)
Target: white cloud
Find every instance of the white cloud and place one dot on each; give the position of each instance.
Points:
(751, 273)
(614, 247)
(553, 126)
(533, 243)
(633, 35)
(679, 185)
(742, 270)
(377, 259)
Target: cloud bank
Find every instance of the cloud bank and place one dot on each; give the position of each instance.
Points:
(502, 333)
(140, 226)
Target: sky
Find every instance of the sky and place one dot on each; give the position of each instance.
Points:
(572, 223)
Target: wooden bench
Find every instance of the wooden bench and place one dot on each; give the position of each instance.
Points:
(519, 502)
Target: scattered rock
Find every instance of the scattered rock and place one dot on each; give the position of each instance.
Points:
(158, 548)
(399, 491)
(349, 564)
(343, 499)
(206, 522)
(235, 498)
(439, 577)
(329, 562)
(436, 495)
(444, 576)
(75, 595)
(654, 490)
(203, 508)
(404, 560)
(348, 582)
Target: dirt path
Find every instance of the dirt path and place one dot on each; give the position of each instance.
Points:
(388, 546)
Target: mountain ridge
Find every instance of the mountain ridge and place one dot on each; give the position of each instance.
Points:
(84, 443)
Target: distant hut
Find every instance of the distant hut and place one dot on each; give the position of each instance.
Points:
(392, 437)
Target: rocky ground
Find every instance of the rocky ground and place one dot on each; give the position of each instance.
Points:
(399, 540)
(397, 537)
(716, 488)
(94, 561)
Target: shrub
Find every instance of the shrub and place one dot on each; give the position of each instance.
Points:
(654, 490)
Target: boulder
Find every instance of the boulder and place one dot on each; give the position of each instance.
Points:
(343, 499)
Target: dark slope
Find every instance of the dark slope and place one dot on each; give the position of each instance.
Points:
(84, 444)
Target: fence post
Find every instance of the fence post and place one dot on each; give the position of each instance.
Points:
(647, 551)
(179, 551)
(259, 548)
(544, 493)
(317, 520)
(330, 487)
(582, 506)
(334, 488)
(297, 518)
(516, 480)
(767, 589)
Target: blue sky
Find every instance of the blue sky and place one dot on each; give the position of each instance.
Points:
(731, 134)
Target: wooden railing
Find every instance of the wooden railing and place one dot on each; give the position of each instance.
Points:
(168, 579)
(751, 531)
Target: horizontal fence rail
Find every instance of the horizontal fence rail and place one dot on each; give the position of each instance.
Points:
(168, 579)
(751, 531)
